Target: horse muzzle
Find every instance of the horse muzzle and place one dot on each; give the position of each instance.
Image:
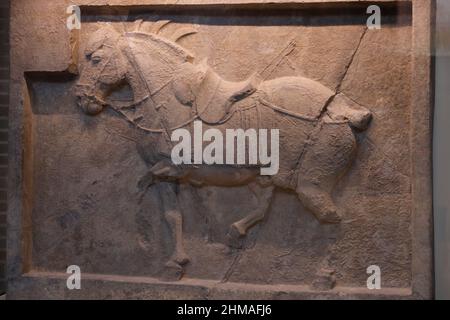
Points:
(86, 100)
(89, 107)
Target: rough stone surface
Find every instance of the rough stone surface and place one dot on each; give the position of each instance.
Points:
(88, 185)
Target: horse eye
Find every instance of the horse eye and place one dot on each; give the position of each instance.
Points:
(96, 58)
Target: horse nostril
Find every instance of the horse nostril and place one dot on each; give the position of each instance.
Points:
(89, 107)
(93, 109)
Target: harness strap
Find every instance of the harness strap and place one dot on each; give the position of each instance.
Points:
(299, 116)
(290, 113)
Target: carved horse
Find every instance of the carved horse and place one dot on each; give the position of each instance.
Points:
(170, 91)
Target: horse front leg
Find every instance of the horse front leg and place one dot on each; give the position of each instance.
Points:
(172, 215)
(175, 221)
(238, 230)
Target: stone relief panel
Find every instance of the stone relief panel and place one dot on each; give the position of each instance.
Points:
(109, 199)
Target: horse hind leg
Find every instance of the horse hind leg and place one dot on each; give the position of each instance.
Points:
(323, 164)
(319, 202)
(238, 230)
(321, 167)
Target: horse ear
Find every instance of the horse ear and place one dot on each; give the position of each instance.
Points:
(112, 28)
(96, 40)
(105, 34)
(118, 27)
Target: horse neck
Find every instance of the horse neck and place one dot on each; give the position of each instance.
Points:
(138, 85)
(150, 70)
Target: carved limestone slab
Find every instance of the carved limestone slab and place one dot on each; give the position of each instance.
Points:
(94, 184)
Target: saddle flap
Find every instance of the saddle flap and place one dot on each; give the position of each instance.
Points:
(217, 96)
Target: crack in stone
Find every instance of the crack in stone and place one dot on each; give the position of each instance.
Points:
(230, 269)
(276, 61)
(238, 257)
(327, 103)
(352, 58)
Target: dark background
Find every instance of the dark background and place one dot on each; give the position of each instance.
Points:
(4, 102)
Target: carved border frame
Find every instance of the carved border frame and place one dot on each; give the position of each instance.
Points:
(23, 282)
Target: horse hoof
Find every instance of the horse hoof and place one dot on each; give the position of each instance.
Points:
(172, 271)
(330, 217)
(234, 238)
(181, 258)
(325, 280)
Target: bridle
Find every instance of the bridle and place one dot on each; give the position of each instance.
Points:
(91, 95)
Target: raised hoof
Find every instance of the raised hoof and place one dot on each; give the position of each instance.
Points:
(235, 237)
(180, 258)
(325, 280)
(172, 271)
(330, 217)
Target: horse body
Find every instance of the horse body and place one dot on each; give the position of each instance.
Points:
(317, 141)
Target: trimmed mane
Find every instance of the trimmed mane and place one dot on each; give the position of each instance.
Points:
(165, 44)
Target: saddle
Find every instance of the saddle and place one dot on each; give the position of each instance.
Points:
(212, 96)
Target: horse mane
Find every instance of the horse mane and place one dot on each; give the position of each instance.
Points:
(154, 59)
(183, 53)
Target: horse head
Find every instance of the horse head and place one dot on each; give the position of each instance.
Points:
(144, 62)
(106, 69)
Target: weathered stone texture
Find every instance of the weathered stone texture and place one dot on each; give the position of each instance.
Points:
(74, 184)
